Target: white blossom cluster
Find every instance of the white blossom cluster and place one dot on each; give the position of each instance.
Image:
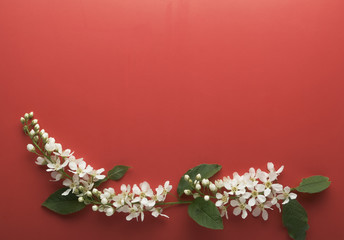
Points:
(255, 191)
(80, 178)
(134, 201)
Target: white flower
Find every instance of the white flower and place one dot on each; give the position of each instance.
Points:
(30, 148)
(274, 201)
(271, 168)
(108, 195)
(134, 210)
(80, 168)
(234, 186)
(260, 209)
(255, 194)
(241, 206)
(63, 154)
(96, 174)
(223, 211)
(142, 194)
(222, 199)
(162, 191)
(72, 184)
(158, 212)
(50, 145)
(286, 195)
(267, 179)
(55, 164)
(109, 211)
(56, 175)
(40, 161)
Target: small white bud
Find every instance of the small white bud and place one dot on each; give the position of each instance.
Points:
(198, 186)
(22, 120)
(198, 176)
(80, 199)
(212, 187)
(45, 136)
(95, 208)
(32, 133)
(186, 177)
(36, 127)
(81, 188)
(31, 115)
(104, 201)
(35, 121)
(196, 195)
(206, 198)
(36, 138)
(26, 116)
(109, 212)
(205, 182)
(89, 194)
(187, 192)
(94, 191)
(30, 148)
(42, 131)
(190, 181)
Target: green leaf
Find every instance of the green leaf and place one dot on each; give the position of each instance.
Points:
(295, 219)
(205, 213)
(206, 171)
(63, 204)
(96, 184)
(313, 184)
(117, 172)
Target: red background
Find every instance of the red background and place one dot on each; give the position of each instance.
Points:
(162, 86)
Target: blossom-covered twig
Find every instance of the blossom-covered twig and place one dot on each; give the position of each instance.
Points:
(255, 191)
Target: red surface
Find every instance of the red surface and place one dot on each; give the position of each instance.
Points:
(162, 86)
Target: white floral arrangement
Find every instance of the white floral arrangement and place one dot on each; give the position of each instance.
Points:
(255, 192)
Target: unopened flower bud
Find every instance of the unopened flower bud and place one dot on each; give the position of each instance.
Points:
(206, 198)
(95, 191)
(45, 136)
(186, 177)
(95, 208)
(104, 201)
(196, 195)
(190, 180)
(198, 186)
(198, 176)
(89, 194)
(81, 188)
(80, 199)
(22, 120)
(36, 127)
(35, 121)
(26, 116)
(31, 115)
(32, 133)
(212, 187)
(205, 182)
(30, 148)
(36, 138)
(109, 211)
(187, 192)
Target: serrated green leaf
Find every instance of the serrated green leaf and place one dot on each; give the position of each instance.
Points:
(295, 219)
(63, 204)
(206, 171)
(313, 184)
(117, 172)
(205, 213)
